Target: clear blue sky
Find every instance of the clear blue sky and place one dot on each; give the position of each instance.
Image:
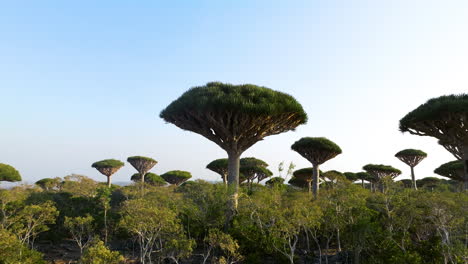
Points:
(82, 81)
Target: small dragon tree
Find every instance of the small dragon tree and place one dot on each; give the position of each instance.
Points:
(411, 157)
(452, 170)
(253, 168)
(382, 173)
(303, 178)
(142, 165)
(364, 176)
(234, 117)
(275, 181)
(333, 176)
(176, 177)
(150, 178)
(445, 118)
(108, 167)
(8, 173)
(219, 166)
(317, 151)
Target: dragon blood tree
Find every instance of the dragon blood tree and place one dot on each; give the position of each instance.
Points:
(303, 178)
(275, 181)
(411, 157)
(219, 166)
(333, 177)
(382, 173)
(108, 167)
(253, 168)
(316, 150)
(176, 177)
(364, 176)
(234, 117)
(150, 178)
(350, 176)
(445, 118)
(452, 170)
(142, 165)
(8, 173)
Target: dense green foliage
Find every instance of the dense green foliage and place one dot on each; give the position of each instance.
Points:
(176, 177)
(452, 170)
(138, 158)
(384, 169)
(273, 225)
(316, 143)
(151, 178)
(436, 109)
(248, 99)
(8, 173)
(108, 163)
(411, 152)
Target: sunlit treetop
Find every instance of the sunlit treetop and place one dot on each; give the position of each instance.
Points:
(444, 117)
(317, 150)
(235, 116)
(452, 170)
(381, 171)
(137, 158)
(8, 173)
(108, 163)
(219, 166)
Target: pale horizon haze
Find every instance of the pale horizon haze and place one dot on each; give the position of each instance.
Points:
(85, 81)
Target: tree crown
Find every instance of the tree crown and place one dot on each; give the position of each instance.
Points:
(108, 163)
(252, 162)
(381, 168)
(8, 173)
(317, 143)
(151, 178)
(411, 152)
(452, 170)
(434, 109)
(275, 181)
(246, 98)
(176, 176)
(142, 158)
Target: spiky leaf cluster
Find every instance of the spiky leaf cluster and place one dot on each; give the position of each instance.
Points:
(220, 166)
(452, 170)
(351, 176)
(252, 162)
(317, 150)
(176, 177)
(235, 116)
(8, 173)
(381, 171)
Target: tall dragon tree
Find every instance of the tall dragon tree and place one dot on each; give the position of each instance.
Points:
(108, 167)
(316, 150)
(235, 117)
(142, 165)
(176, 177)
(411, 157)
(219, 166)
(382, 173)
(9, 173)
(364, 176)
(303, 178)
(445, 118)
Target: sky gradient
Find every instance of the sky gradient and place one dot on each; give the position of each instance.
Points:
(85, 81)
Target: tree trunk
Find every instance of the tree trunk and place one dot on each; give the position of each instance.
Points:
(309, 186)
(142, 175)
(338, 241)
(362, 183)
(233, 186)
(315, 180)
(109, 181)
(413, 179)
(465, 163)
(225, 178)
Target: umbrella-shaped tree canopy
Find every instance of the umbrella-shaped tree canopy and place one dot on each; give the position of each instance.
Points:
(142, 164)
(8, 173)
(275, 181)
(220, 166)
(176, 177)
(452, 170)
(150, 178)
(411, 157)
(108, 167)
